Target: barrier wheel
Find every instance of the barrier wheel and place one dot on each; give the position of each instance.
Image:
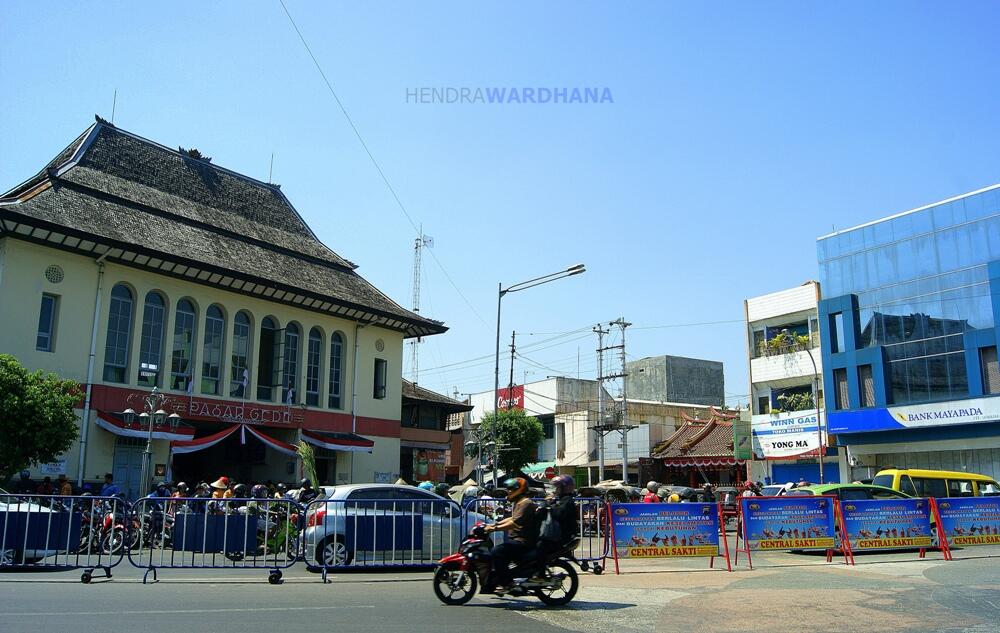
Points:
(584, 565)
(598, 570)
(274, 578)
(85, 577)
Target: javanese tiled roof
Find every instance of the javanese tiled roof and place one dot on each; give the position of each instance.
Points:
(416, 393)
(141, 204)
(697, 438)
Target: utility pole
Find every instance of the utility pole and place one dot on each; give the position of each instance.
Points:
(418, 244)
(510, 385)
(625, 426)
(600, 426)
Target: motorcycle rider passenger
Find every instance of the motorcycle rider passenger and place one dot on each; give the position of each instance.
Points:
(522, 529)
(562, 508)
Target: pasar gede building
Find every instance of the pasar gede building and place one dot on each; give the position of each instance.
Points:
(127, 265)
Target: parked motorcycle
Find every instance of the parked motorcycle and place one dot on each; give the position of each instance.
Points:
(460, 575)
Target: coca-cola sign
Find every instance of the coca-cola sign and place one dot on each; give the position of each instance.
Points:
(511, 398)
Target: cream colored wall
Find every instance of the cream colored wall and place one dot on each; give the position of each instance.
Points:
(22, 283)
(362, 467)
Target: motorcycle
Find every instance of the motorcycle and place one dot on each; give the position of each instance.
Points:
(459, 576)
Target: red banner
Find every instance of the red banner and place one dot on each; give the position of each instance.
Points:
(511, 397)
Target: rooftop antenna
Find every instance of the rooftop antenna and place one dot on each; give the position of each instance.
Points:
(114, 105)
(422, 241)
(270, 170)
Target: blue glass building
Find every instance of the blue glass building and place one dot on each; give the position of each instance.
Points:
(909, 326)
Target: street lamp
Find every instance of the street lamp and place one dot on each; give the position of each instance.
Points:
(501, 291)
(152, 415)
(815, 395)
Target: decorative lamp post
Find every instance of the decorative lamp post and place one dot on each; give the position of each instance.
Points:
(152, 416)
(501, 291)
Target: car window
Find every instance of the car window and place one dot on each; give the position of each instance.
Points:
(885, 493)
(930, 487)
(853, 494)
(960, 488)
(772, 491)
(884, 480)
(988, 488)
(905, 485)
(415, 501)
(380, 498)
(798, 493)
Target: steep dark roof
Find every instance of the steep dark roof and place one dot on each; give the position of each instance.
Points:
(709, 438)
(140, 203)
(416, 393)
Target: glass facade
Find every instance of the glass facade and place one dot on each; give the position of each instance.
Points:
(922, 283)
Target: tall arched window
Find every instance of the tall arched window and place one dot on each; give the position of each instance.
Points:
(267, 365)
(240, 373)
(151, 341)
(313, 355)
(181, 362)
(290, 377)
(211, 361)
(334, 399)
(116, 346)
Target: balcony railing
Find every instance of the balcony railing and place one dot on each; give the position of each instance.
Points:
(780, 345)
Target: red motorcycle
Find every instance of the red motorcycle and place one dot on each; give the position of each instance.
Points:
(460, 575)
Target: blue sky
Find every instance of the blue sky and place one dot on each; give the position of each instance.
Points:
(738, 133)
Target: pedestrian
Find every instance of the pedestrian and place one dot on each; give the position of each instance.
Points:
(46, 487)
(65, 487)
(708, 493)
(110, 488)
(220, 488)
(651, 496)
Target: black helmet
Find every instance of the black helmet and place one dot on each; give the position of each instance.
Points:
(240, 491)
(564, 484)
(281, 487)
(442, 489)
(516, 487)
(305, 483)
(181, 486)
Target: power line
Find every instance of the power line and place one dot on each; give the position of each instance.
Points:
(371, 157)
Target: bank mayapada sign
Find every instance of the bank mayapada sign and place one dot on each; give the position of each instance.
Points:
(916, 416)
(783, 435)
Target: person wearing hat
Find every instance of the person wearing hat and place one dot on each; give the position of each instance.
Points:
(65, 487)
(220, 487)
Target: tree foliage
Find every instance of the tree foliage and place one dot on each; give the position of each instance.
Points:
(37, 421)
(308, 456)
(516, 434)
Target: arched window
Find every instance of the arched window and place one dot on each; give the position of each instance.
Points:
(290, 377)
(334, 399)
(181, 363)
(240, 373)
(116, 346)
(211, 362)
(151, 341)
(313, 356)
(267, 365)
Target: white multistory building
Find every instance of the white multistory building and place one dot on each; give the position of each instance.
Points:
(786, 388)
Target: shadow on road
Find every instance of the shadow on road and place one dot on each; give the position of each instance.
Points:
(534, 605)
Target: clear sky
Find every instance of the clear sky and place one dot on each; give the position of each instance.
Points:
(737, 133)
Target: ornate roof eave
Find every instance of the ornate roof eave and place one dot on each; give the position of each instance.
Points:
(27, 228)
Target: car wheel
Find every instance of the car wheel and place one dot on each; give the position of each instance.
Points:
(333, 552)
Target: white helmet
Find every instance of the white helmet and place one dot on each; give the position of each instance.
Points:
(652, 486)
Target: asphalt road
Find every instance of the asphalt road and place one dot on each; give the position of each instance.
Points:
(784, 592)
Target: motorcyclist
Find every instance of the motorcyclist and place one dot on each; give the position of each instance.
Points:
(306, 491)
(442, 490)
(522, 529)
(562, 508)
(708, 493)
(651, 490)
(280, 491)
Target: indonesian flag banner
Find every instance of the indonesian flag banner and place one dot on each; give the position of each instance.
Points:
(200, 444)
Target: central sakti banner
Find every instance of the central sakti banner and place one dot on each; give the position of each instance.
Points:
(661, 530)
(970, 520)
(887, 523)
(794, 522)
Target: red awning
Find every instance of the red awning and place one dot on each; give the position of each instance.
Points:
(338, 441)
(110, 422)
(200, 444)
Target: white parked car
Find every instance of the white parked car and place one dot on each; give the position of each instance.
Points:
(383, 524)
(18, 512)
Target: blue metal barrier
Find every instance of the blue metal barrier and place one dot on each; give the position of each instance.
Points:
(60, 533)
(201, 533)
